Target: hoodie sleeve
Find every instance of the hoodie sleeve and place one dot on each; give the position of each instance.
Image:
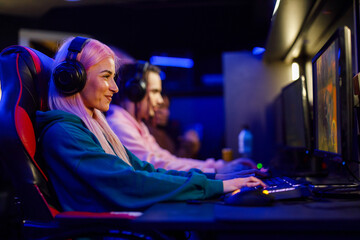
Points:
(86, 178)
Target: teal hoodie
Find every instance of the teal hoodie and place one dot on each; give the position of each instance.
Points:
(85, 178)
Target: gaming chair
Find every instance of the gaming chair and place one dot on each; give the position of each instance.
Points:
(24, 76)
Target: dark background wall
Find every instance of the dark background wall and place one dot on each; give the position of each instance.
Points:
(250, 87)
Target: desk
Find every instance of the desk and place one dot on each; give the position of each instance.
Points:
(307, 219)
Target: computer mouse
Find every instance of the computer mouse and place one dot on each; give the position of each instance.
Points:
(249, 197)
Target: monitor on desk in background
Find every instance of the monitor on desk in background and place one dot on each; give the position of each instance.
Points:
(297, 131)
(333, 100)
(297, 118)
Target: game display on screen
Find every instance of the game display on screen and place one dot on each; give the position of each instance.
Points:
(327, 120)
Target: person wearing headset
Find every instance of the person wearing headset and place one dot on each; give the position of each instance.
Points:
(138, 99)
(167, 132)
(88, 166)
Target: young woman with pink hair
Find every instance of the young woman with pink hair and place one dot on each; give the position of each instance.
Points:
(88, 166)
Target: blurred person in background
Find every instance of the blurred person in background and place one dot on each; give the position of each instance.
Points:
(137, 101)
(168, 133)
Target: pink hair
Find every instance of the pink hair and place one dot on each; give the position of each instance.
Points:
(92, 53)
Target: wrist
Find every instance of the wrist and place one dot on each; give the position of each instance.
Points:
(228, 186)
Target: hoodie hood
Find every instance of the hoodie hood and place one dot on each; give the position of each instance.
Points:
(44, 120)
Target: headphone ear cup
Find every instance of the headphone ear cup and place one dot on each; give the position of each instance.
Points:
(135, 89)
(69, 77)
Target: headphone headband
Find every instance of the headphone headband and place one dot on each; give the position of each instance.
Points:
(76, 45)
(142, 66)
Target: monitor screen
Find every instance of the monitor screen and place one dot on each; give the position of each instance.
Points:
(328, 117)
(296, 115)
(332, 85)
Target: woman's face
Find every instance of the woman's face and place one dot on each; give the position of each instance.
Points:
(162, 113)
(100, 86)
(152, 99)
(153, 91)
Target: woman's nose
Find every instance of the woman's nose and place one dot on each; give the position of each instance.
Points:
(113, 86)
(160, 100)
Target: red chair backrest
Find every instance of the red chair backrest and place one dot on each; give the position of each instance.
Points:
(24, 76)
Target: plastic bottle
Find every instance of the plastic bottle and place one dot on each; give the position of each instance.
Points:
(245, 142)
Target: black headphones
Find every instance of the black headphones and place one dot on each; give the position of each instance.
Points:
(135, 87)
(70, 75)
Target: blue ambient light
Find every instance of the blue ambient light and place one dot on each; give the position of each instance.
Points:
(258, 50)
(172, 61)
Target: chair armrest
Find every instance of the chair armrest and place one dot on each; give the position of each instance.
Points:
(96, 215)
(70, 217)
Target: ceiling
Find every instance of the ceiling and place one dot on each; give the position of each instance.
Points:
(301, 27)
(201, 29)
(38, 8)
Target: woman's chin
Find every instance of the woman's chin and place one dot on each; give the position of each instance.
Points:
(105, 108)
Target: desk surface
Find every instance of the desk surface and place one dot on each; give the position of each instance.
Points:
(306, 215)
(178, 216)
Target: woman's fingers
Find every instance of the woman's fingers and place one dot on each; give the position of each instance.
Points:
(255, 182)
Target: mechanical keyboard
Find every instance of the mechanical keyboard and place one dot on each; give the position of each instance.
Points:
(286, 188)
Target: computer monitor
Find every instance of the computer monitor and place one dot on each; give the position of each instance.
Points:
(278, 122)
(296, 114)
(295, 155)
(333, 98)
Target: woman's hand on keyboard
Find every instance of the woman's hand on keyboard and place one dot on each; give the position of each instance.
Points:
(236, 165)
(241, 174)
(238, 183)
